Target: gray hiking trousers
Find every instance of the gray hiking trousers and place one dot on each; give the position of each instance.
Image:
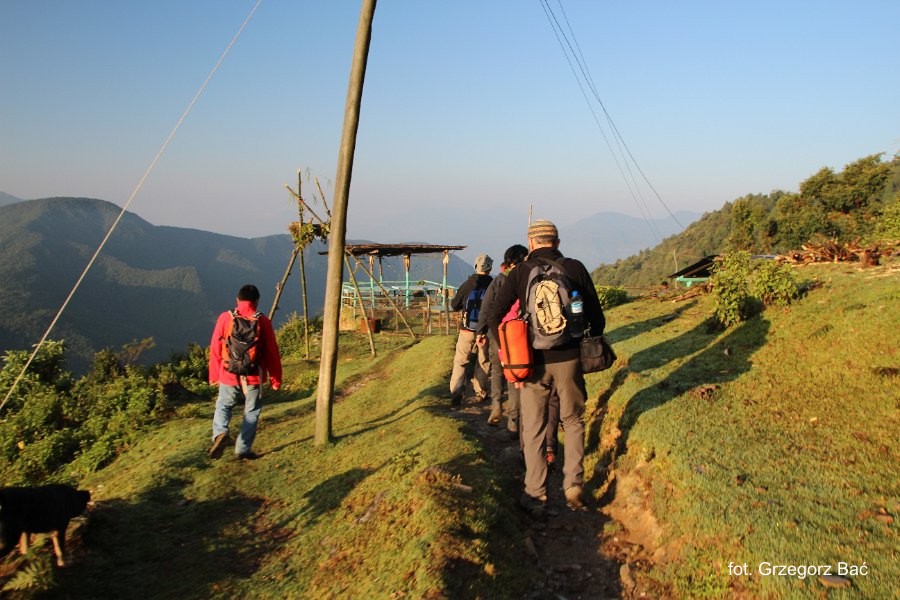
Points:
(534, 399)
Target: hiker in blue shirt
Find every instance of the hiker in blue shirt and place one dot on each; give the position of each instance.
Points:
(468, 302)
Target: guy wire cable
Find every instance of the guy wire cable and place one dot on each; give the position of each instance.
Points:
(588, 78)
(612, 124)
(134, 193)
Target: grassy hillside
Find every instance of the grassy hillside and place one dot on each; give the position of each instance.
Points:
(401, 502)
(774, 441)
(771, 442)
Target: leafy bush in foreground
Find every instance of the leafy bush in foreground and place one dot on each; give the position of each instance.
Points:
(52, 422)
(290, 338)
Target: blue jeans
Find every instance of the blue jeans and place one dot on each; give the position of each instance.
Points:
(229, 395)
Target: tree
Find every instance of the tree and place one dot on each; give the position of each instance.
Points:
(797, 221)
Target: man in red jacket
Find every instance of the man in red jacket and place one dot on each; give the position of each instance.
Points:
(234, 387)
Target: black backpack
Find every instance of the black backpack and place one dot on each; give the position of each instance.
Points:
(240, 346)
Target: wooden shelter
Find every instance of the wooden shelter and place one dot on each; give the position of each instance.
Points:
(356, 295)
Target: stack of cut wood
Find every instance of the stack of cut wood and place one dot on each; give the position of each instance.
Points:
(834, 251)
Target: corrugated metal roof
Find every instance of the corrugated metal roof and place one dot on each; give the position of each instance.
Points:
(395, 249)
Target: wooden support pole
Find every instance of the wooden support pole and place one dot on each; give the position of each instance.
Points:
(445, 297)
(300, 205)
(336, 240)
(406, 260)
(359, 295)
(284, 279)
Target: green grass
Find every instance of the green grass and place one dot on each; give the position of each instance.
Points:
(379, 512)
(773, 441)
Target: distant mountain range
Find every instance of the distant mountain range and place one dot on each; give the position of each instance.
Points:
(168, 283)
(8, 199)
(599, 239)
(608, 236)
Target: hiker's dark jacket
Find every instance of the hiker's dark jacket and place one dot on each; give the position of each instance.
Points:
(516, 288)
(489, 295)
(462, 294)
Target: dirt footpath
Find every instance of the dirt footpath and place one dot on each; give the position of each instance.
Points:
(575, 558)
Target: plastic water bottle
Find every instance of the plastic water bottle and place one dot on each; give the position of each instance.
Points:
(576, 308)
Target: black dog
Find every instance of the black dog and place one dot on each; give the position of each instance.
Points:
(41, 509)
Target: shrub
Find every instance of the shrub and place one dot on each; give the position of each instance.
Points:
(38, 460)
(773, 283)
(289, 336)
(100, 453)
(611, 295)
(889, 225)
(730, 285)
(51, 422)
(743, 287)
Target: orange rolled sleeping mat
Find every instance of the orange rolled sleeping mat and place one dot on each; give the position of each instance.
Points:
(515, 350)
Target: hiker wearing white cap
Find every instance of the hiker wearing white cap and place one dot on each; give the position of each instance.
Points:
(468, 302)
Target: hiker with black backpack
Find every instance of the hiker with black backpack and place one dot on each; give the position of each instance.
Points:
(550, 286)
(467, 301)
(243, 354)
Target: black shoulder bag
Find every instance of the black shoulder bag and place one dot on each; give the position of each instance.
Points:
(596, 354)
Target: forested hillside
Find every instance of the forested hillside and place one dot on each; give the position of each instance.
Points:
(165, 283)
(858, 203)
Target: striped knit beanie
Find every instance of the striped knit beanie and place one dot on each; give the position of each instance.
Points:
(542, 228)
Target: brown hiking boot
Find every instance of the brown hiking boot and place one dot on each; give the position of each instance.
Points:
(575, 498)
(494, 419)
(218, 446)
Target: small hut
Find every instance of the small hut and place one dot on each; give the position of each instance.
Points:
(699, 272)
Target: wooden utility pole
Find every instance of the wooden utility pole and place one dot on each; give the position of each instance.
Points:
(336, 242)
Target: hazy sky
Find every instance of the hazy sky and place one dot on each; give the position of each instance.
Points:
(467, 104)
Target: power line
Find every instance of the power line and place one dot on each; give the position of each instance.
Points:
(628, 184)
(624, 150)
(134, 193)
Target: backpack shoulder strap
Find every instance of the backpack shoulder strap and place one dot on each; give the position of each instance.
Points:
(229, 325)
(558, 265)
